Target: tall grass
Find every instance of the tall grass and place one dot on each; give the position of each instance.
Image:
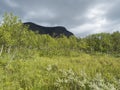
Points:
(31, 71)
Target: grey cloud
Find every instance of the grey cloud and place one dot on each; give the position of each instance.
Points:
(4, 7)
(69, 13)
(114, 12)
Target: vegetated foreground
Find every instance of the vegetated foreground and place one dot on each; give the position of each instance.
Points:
(84, 72)
(30, 61)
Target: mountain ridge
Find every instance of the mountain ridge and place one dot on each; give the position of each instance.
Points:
(56, 31)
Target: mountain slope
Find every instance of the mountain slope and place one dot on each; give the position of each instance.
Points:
(52, 31)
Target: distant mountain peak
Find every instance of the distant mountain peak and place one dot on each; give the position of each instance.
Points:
(56, 31)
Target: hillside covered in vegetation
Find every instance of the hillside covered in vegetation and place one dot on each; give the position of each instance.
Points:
(31, 61)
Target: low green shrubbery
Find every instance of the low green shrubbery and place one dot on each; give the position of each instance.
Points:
(84, 72)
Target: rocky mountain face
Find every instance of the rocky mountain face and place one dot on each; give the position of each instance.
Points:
(52, 31)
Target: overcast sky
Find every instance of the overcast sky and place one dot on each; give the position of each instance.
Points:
(82, 17)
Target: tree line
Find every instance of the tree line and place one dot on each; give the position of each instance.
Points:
(13, 34)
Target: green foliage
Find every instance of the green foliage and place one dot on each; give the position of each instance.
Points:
(29, 61)
(103, 42)
(70, 81)
(84, 72)
(116, 41)
(14, 34)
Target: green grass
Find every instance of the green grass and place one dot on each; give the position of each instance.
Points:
(59, 72)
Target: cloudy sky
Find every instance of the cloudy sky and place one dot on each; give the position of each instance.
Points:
(82, 17)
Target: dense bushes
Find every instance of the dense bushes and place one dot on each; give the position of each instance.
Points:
(13, 34)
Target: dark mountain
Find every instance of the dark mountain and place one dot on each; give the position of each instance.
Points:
(52, 31)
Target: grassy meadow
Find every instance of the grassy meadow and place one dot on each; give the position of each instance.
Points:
(82, 72)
